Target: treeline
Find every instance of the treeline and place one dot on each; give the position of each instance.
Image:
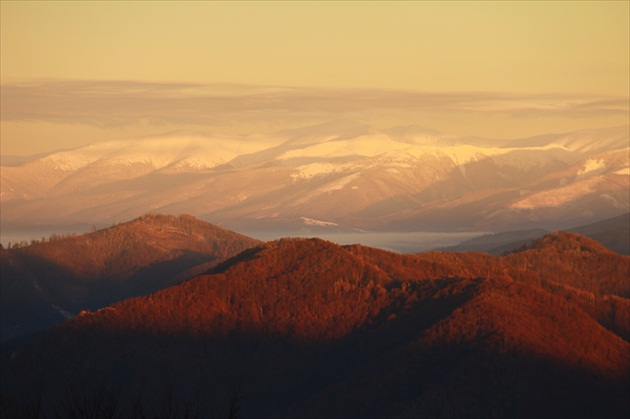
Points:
(34, 242)
(128, 247)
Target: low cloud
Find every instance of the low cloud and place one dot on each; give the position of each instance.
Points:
(123, 103)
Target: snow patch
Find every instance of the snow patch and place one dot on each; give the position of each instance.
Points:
(559, 196)
(340, 183)
(592, 165)
(192, 151)
(312, 222)
(309, 171)
(70, 161)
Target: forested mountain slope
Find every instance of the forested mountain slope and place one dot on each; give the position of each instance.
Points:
(64, 275)
(304, 327)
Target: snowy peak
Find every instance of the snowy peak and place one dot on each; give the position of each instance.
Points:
(333, 140)
(157, 152)
(583, 141)
(178, 150)
(344, 172)
(595, 141)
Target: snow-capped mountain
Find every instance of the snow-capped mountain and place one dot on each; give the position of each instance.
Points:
(343, 174)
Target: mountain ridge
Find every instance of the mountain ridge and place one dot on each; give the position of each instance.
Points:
(345, 172)
(613, 233)
(96, 269)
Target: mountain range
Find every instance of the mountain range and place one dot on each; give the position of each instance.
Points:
(52, 279)
(343, 174)
(613, 233)
(308, 328)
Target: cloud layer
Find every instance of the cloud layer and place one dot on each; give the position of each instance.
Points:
(248, 109)
(114, 103)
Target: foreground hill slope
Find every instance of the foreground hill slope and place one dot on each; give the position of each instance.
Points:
(66, 275)
(304, 327)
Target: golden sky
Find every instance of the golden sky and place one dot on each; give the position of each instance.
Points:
(522, 48)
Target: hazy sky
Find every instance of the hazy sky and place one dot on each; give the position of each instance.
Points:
(530, 55)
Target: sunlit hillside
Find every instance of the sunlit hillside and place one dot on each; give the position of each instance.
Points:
(307, 328)
(54, 278)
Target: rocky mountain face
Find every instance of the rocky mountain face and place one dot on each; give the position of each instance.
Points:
(342, 174)
(307, 328)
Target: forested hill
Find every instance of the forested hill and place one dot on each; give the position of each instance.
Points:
(304, 327)
(99, 268)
